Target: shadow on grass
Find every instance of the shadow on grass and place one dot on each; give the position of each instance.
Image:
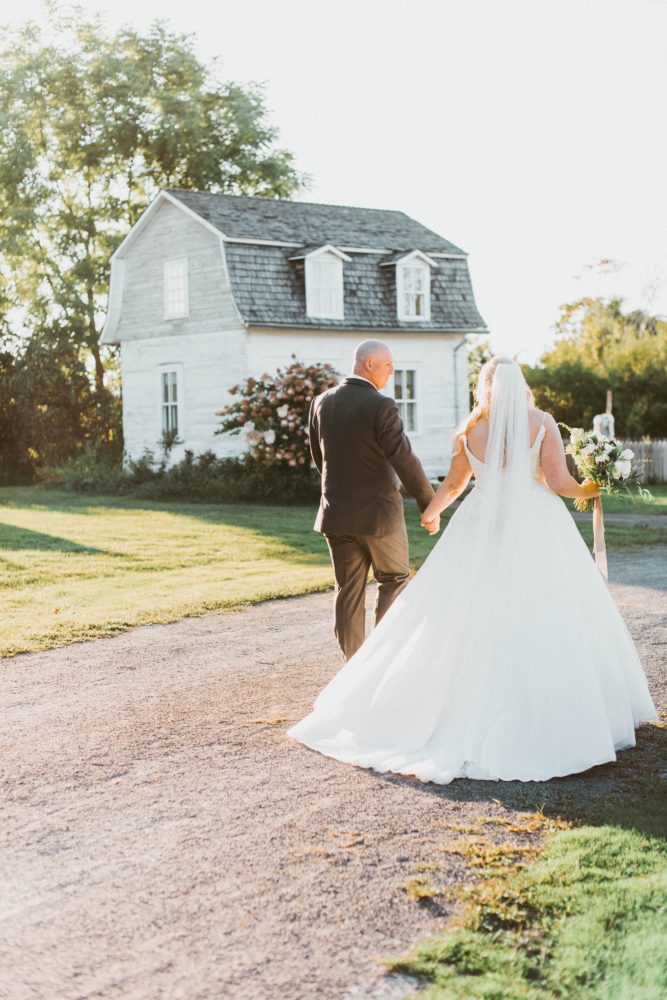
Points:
(15, 539)
(288, 525)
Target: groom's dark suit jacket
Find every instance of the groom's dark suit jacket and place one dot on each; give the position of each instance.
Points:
(361, 450)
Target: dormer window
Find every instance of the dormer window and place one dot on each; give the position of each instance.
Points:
(414, 291)
(323, 269)
(324, 287)
(413, 285)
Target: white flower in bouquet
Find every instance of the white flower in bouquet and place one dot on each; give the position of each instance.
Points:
(622, 468)
(269, 436)
(254, 437)
(248, 428)
(588, 450)
(283, 410)
(627, 454)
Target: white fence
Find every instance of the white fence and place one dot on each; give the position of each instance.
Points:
(651, 457)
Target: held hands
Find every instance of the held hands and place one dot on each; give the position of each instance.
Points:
(432, 526)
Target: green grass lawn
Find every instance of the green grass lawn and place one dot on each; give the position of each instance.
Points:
(74, 567)
(581, 916)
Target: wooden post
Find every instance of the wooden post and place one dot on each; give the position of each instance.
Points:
(608, 400)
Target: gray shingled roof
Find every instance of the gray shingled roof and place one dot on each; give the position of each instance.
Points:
(307, 222)
(269, 288)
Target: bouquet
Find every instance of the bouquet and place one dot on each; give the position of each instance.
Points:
(607, 463)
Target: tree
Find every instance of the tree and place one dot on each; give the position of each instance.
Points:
(49, 409)
(93, 125)
(600, 347)
(479, 352)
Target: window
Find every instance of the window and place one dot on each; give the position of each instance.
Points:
(413, 287)
(405, 394)
(176, 288)
(169, 402)
(324, 286)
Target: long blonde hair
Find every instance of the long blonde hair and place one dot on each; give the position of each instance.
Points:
(482, 392)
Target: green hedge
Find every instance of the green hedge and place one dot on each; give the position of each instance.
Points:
(203, 477)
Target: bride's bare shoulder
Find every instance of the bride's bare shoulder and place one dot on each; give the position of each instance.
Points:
(479, 431)
(537, 417)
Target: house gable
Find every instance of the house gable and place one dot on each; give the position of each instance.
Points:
(165, 232)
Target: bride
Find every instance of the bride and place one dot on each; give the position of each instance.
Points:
(505, 656)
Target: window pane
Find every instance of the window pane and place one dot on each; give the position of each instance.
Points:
(405, 388)
(169, 401)
(415, 285)
(175, 287)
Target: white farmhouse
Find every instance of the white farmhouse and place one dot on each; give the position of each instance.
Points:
(208, 289)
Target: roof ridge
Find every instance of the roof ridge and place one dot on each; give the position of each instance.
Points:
(290, 201)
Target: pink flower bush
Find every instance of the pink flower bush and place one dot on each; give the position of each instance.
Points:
(272, 412)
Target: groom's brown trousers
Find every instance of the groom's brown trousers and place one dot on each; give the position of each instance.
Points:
(352, 557)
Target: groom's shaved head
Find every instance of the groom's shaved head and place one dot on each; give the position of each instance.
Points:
(373, 360)
(369, 349)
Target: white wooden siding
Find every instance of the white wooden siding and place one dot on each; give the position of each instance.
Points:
(208, 364)
(171, 234)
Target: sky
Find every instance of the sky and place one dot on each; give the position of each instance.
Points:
(531, 133)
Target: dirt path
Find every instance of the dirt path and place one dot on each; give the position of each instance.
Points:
(163, 839)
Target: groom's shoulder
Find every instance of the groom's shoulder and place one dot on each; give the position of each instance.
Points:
(324, 395)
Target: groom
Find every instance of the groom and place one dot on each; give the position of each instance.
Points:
(360, 449)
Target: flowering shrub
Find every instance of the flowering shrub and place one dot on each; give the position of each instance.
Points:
(272, 413)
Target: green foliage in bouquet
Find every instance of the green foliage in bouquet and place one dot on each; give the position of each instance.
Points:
(607, 463)
(272, 413)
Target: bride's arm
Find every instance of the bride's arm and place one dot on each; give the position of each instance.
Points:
(554, 466)
(452, 485)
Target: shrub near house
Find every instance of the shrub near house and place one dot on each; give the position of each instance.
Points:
(272, 413)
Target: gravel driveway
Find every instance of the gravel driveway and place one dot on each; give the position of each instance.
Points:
(163, 838)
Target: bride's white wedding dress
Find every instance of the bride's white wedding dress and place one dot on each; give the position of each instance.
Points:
(504, 658)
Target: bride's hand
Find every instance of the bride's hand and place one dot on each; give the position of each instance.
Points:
(591, 489)
(433, 526)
